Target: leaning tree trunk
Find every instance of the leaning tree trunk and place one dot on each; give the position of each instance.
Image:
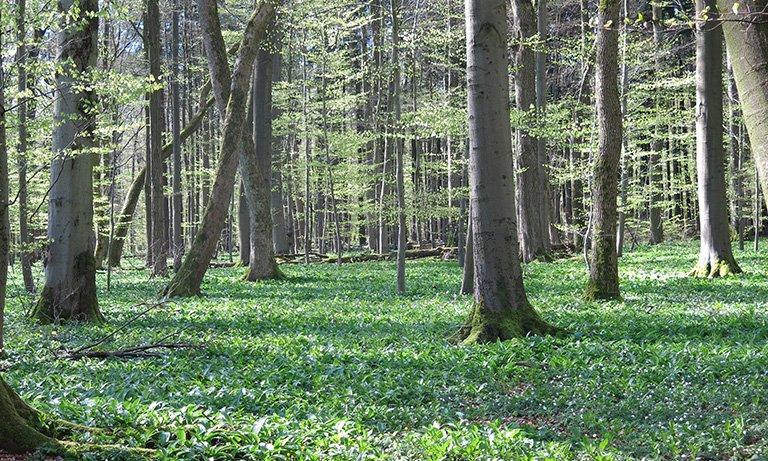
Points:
(747, 43)
(715, 254)
(604, 265)
(532, 199)
(70, 272)
(187, 280)
(501, 309)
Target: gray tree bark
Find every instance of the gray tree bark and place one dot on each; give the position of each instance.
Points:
(604, 267)
(158, 244)
(747, 43)
(189, 277)
(715, 253)
(501, 309)
(531, 196)
(70, 272)
(177, 251)
(654, 160)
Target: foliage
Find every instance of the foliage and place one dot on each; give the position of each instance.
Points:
(330, 364)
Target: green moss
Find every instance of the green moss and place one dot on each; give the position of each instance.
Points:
(720, 268)
(486, 326)
(595, 291)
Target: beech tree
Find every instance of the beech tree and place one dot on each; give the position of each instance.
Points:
(715, 253)
(603, 264)
(188, 278)
(70, 271)
(501, 309)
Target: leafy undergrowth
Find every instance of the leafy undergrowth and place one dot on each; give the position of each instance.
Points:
(331, 364)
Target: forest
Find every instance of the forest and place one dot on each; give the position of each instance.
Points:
(383, 230)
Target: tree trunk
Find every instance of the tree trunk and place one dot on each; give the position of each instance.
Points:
(158, 244)
(256, 168)
(21, 430)
(654, 160)
(177, 251)
(21, 149)
(747, 43)
(5, 223)
(604, 268)
(715, 254)
(244, 227)
(399, 146)
(501, 309)
(468, 273)
(534, 218)
(70, 272)
(187, 280)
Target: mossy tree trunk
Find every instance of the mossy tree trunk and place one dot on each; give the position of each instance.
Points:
(70, 272)
(20, 430)
(655, 165)
(501, 309)
(531, 177)
(747, 43)
(189, 277)
(715, 253)
(604, 266)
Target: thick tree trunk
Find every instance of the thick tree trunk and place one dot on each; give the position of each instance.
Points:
(21, 430)
(531, 197)
(187, 280)
(70, 272)
(256, 168)
(715, 254)
(501, 309)
(604, 268)
(747, 43)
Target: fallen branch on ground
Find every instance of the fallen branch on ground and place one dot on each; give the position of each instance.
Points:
(129, 353)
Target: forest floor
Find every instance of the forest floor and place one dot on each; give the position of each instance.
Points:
(331, 364)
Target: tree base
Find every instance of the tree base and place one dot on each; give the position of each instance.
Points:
(273, 272)
(596, 292)
(720, 268)
(79, 306)
(21, 430)
(484, 327)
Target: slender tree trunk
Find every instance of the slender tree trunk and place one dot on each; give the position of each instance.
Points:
(189, 277)
(177, 251)
(624, 162)
(736, 160)
(5, 223)
(158, 244)
(715, 254)
(468, 272)
(531, 196)
(604, 268)
(501, 309)
(70, 272)
(244, 227)
(398, 144)
(654, 160)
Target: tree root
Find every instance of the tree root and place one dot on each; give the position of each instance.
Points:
(720, 268)
(483, 326)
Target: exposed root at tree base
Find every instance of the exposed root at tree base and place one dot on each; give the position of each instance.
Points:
(484, 327)
(274, 273)
(720, 268)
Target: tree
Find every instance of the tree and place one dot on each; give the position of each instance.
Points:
(178, 209)
(70, 272)
(654, 160)
(158, 244)
(747, 42)
(189, 277)
(501, 309)
(715, 254)
(5, 223)
(531, 196)
(398, 144)
(22, 430)
(604, 265)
